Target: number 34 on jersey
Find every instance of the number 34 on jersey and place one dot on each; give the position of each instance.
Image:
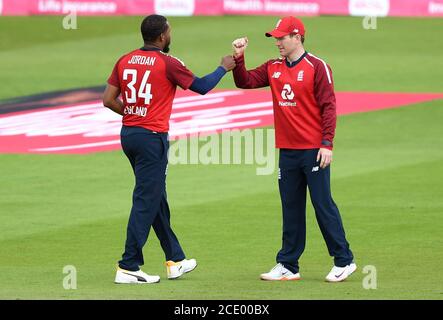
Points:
(133, 95)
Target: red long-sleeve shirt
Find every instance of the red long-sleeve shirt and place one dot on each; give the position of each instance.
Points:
(303, 97)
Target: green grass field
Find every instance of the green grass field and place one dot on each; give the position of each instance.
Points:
(387, 173)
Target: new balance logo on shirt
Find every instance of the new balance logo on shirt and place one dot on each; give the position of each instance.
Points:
(276, 75)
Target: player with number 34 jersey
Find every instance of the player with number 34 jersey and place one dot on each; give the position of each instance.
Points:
(147, 79)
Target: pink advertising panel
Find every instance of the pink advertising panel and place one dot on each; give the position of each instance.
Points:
(112, 7)
(272, 7)
(423, 8)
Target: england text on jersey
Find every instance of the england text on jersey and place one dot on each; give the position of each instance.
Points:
(139, 111)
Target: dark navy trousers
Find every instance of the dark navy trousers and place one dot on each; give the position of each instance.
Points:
(300, 170)
(147, 152)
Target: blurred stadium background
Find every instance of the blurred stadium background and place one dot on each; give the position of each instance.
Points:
(61, 204)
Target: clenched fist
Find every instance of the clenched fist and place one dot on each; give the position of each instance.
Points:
(228, 63)
(239, 45)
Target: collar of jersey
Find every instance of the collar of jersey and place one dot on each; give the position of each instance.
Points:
(294, 63)
(150, 49)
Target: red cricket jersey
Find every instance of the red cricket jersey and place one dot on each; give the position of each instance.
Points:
(148, 79)
(303, 98)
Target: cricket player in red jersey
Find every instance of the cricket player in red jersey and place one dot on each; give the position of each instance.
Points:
(305, 120)
(147, 79)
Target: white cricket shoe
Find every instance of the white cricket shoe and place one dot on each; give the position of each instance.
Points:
(280, 273)
(126, 276)
(177, 269)
(338, 274)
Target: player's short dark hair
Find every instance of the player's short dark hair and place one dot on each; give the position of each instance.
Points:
(153, 26)
(302, 38)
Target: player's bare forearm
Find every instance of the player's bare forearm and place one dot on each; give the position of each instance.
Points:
(116, 106)
(111, 99)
